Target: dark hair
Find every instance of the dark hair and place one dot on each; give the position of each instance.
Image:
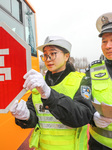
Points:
(69, 63)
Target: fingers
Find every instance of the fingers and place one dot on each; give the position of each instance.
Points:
(20, 108)
(14, 106)
(101, 121)
(30, 80)
(102, 124)
(102, 118)
(17, 107)
(33, 80)
(105, 119)
(31, 72)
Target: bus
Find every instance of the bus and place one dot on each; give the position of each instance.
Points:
(20, 16)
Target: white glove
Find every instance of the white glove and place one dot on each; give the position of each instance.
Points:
(35, 79)
(19, 110)
(101, 121)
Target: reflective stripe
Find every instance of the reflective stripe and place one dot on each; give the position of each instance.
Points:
(98, 68)
(53, 126)
(102, 132)
(57, 142)
(83, 138)
(48, 118)
(58, 132)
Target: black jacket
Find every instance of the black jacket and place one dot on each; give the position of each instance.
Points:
(74, 113)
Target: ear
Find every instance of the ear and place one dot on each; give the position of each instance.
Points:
(67, 55)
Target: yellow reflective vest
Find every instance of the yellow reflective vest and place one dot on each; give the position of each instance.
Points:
(51, 134)
(102, 92)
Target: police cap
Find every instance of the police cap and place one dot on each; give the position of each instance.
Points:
(104, 23)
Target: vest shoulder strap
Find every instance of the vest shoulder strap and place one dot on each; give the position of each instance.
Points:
(98, 71)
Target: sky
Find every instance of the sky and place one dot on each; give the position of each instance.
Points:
(75, 20)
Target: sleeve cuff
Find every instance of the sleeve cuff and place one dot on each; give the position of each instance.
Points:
(52, 101)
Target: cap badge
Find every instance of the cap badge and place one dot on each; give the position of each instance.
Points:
(104, 20)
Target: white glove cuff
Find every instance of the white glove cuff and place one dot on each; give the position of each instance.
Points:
(46, 94)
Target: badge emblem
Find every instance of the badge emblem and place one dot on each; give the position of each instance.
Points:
(85, 91)
(100, 75)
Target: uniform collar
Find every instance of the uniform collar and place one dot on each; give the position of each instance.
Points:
(108, 61)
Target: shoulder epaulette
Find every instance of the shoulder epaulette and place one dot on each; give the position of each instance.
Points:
(95, 62)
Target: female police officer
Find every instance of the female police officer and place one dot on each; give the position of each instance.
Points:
(60, 80)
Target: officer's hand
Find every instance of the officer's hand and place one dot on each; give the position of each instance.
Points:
(19, 110)
(101, 121)
(35, 79)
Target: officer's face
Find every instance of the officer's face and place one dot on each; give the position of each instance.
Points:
(57, 60)
(107, 45)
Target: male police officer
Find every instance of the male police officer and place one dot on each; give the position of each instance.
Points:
(101, 77)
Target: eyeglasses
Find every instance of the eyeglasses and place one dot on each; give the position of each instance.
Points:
(51, 56)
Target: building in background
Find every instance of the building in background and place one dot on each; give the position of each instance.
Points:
(80, 64)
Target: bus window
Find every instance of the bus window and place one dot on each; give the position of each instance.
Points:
(6, 4)
(12, 23)
(17, 9)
